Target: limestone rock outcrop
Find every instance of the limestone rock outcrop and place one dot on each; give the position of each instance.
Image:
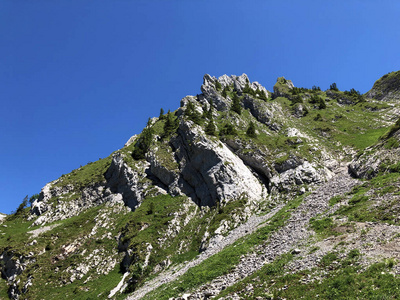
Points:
(387, 88)
(382, 157)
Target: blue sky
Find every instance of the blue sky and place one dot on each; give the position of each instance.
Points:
(78, 78)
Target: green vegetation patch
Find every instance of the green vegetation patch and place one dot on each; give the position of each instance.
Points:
(49, 271)
(224, 261)
(362, 207)
(87, 175)
(324, 227)
(343, 280)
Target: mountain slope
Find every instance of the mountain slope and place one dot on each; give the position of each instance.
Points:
(180, 196)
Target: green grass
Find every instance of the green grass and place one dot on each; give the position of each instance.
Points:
(3, 289)
(362, 208)
(224, 261)
(323, 227)
(87, 175)
(154, 215)
(74, 230)
(336, 199)
(343, 280)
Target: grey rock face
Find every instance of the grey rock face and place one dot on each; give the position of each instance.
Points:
(380, 157)
(131, 140)
(121, 179)
(293, 173)
(210, 171)
(2, 217)
(209, 92)
(386, 88)
(238, 82)
(291, 163)
(299, 110)
(255, 160)
(259, 109)
(12, 267)
(122, 185)
(282, 87)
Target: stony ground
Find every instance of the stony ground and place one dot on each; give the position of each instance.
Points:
(290, 237)
(293, 236)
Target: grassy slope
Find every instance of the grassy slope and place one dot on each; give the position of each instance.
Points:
(356, 126)
(338, 275)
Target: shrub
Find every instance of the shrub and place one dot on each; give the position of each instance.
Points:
(262, 95)
(318, 117)
(228, 130)
(318, 100)
(297, 99)
(322, 104)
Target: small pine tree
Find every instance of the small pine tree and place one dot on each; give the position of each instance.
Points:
(263, 95)
(142, 146)
(170, 125)
(161, 116)
(251, 130)
(192, 114)
(189, 109)
(318, 118)
(247, 89)
(196, 117)
(33, 198)
(210, 128)
(322, 104)
(228, 130)
(236, 105)
(315, 88)
(333, 87)
(22, 206)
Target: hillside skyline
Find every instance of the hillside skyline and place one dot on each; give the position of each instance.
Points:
(79, 80)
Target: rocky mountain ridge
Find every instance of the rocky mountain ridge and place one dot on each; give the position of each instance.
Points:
(196, 181)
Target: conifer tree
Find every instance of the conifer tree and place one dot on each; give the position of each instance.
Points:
(192, 114)
(161, 116)
(210, 128)
(333, 87)
(170, 124)
(236, 105)
(142, 146)
(228, 129)
(262, 95)
(251, 130)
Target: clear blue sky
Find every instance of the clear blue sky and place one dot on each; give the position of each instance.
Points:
(78, 78)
